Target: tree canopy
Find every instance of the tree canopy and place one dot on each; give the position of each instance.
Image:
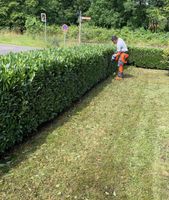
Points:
(104, 13)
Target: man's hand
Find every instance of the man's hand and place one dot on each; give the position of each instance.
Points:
(114, 57)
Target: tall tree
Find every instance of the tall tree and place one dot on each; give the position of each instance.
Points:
(105, 13)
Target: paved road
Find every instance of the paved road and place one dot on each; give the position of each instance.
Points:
(5, 49)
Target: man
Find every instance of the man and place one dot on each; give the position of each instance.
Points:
(120, 56)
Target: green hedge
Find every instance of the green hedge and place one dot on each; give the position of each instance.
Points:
(36, 86)
(148, 58)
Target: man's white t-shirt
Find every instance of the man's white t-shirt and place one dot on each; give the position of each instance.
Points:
(121, 45)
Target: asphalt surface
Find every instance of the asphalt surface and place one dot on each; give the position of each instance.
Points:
(5, 49)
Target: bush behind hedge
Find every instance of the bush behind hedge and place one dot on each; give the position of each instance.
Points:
(152, 58)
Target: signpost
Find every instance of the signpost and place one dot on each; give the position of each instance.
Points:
(86, 18)
(44, 19)
(80, 26)
(81, 18)
(65, 29)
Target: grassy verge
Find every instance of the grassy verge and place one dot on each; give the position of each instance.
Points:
(34, 41)
(94, 35)
(21, 40)
(112, 145)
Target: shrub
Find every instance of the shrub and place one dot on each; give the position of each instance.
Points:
(148, 57)
(36, 86)
(166, 56)
(33, 25)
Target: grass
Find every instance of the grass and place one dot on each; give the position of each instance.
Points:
(140, 38)
(21, 40)
(113, 144)
(34, 41)
(137, 37)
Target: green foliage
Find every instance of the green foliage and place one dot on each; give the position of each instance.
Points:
(33, 26)
(104, 13)
(138, 37)
(166, 56)
(132, 13)
(36, 86)
(158, 17)
(148, 57)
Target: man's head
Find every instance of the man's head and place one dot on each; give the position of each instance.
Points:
(114, 39)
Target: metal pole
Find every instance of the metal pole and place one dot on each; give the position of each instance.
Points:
(45, 32)
(65, 38)
(80, 27)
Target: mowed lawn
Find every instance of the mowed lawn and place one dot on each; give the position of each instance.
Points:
(111, 145)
